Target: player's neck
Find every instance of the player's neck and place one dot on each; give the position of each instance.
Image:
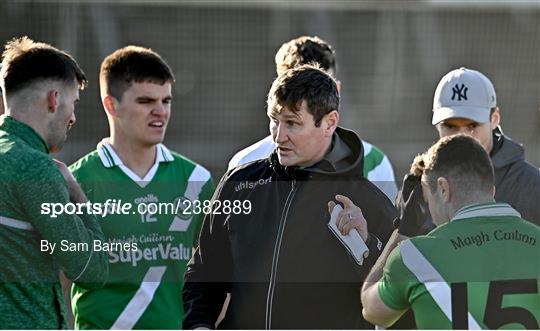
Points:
(480, 199)
(138, 159)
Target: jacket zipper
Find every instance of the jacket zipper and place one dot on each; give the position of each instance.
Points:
(275, 257)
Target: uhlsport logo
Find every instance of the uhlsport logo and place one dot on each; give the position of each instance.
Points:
(251, 185)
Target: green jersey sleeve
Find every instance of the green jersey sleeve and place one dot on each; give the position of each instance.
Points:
(396, 283)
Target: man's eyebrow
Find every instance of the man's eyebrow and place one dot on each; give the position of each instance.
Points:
(145, 98)
(292, 115)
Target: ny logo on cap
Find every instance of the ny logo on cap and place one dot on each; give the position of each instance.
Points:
(460, 92)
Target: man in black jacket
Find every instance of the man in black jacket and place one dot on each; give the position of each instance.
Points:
(283, 266)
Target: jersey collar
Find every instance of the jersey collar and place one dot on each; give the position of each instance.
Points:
(486, 209)
(110, 159)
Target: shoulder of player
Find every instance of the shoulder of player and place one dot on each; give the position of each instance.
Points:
(184, 163)
(369, 148)
(87, 163)
(23, 163)
(427, 242)
(259, 150)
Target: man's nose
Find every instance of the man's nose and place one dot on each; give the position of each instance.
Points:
(281, 133)
(159, 109)
(72, 119)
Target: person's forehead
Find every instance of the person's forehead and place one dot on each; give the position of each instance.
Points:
(280, 111)
(459, 121)
(149, 88)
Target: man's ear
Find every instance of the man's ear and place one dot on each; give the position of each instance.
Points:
(53, 100)
(110, 104)
(443, 186)
(330, 122)
(495, 118)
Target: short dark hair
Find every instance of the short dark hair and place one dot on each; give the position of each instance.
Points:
(132, 64)
(305, 50)
(459, 158)
(25, 61)
(304, 83)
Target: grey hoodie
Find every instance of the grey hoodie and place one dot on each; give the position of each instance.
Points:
(517, 182)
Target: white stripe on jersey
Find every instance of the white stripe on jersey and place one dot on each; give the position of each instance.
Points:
(141, 300)
(196, 181)
(11, 222)
(432, 280)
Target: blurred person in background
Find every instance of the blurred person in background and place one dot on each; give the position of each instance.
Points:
(41, 88)
(469, 272)
(282, 265)
(305, 50)
(144, 288)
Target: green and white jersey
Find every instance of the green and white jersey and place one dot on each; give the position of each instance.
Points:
(144, 289)
(479, 271)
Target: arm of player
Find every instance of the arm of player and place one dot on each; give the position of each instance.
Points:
(83, 265)
(375, 310)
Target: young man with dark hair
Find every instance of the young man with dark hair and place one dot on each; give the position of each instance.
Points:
(278, 259)
(41, 87)
(164, 189)
(459, 275)
(305, 50)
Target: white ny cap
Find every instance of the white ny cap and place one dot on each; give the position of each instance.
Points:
(464, 93)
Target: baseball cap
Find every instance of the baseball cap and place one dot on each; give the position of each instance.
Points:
(464, 93)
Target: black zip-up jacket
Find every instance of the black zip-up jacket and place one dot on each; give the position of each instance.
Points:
(281, 263)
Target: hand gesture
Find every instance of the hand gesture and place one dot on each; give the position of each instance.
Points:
(350, 217)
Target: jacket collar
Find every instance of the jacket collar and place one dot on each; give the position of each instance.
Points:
(505, 151)
(347, 153)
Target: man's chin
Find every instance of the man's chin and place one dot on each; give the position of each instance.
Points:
(286, 161)
(153, 142)
(55, 148)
